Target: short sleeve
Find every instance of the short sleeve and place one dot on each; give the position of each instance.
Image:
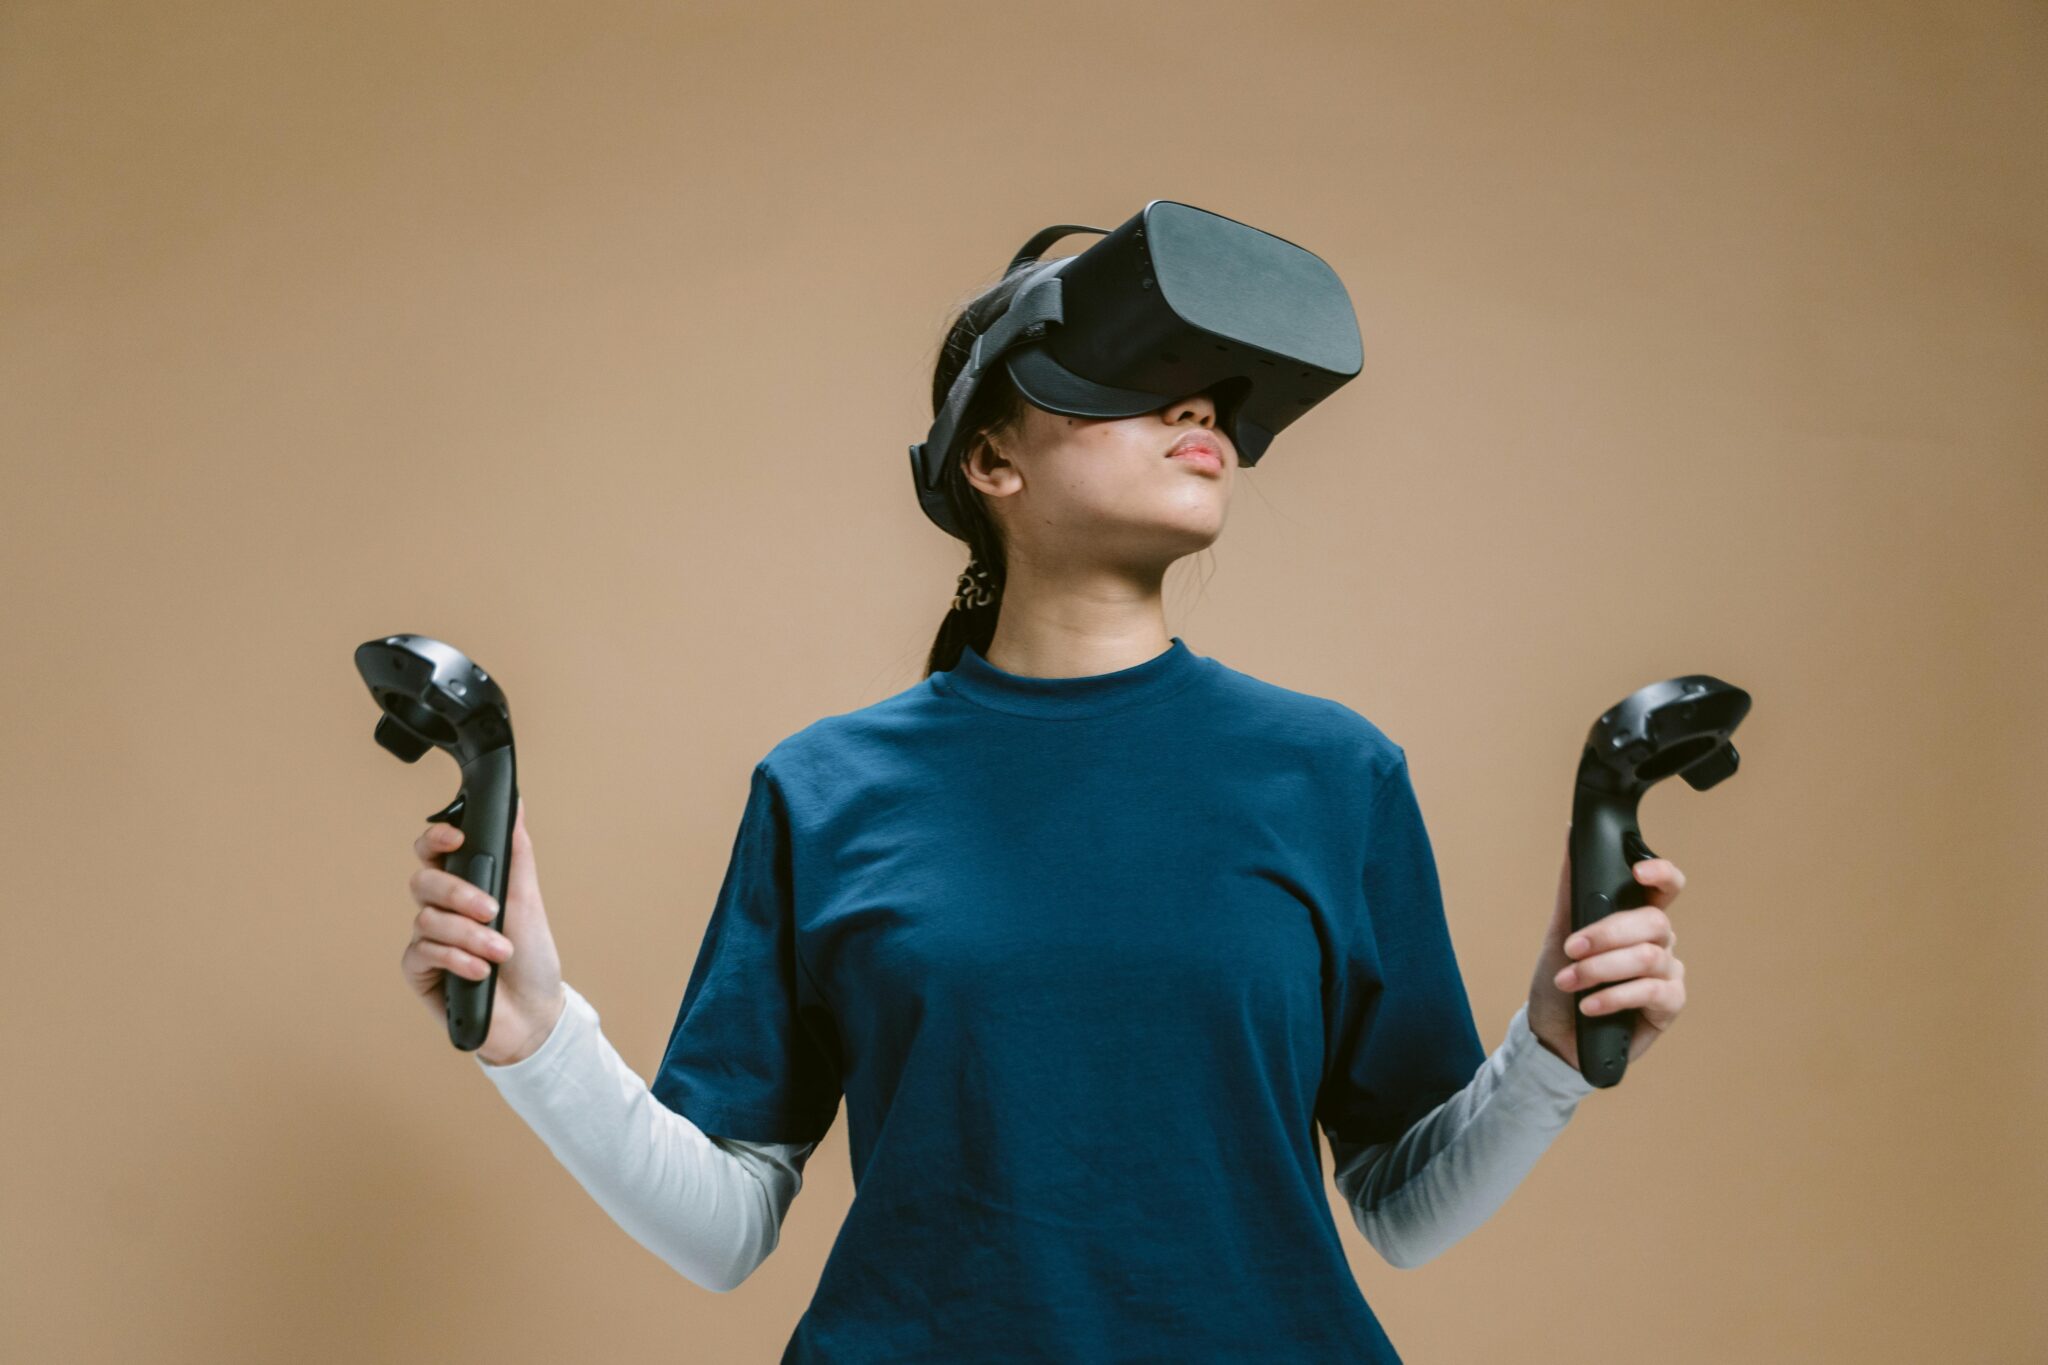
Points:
(754, 1054)
(1402, 1036)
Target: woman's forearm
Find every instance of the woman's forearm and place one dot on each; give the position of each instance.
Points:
(711, 1208)
(1415, 1197)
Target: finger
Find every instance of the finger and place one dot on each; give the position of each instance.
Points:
(1659, 998)
(435, 840)
(451, 958)
(1619, 964)
(1639, 924)
(437, 886)
(435, 925)
(523, 877)
(1560, 905)
(1662, 876)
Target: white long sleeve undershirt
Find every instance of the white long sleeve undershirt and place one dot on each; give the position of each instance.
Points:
(1417, 1196)
(712, 1207)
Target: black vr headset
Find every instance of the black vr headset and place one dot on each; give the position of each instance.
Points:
(1176, 301)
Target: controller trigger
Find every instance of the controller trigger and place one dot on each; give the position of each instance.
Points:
(450, 814)
(1633, 848)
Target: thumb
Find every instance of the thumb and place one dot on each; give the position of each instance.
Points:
(1560, 914)
(523, 878)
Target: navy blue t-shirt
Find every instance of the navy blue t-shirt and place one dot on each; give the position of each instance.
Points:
(1035, 930)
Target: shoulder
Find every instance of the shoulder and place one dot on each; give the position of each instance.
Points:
(1326, 730)
(839, 755)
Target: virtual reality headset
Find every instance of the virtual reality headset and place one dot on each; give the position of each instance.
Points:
(1174, 302)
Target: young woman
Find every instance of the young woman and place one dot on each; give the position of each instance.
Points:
(1089, 932)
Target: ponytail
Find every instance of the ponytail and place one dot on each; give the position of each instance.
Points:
(996, 407)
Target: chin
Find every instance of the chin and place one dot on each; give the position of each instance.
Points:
(1179, 525)
(1196, 527)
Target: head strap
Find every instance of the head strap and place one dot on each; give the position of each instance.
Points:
(1033, 308)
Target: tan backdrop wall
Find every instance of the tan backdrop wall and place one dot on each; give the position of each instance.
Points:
(1699, 338)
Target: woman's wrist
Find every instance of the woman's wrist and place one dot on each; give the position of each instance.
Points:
(531, 1038)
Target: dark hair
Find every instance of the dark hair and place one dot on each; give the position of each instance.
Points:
(995, 408)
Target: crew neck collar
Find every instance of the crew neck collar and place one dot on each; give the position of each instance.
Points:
(977, 680)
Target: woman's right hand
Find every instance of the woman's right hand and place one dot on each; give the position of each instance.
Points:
(452, 933)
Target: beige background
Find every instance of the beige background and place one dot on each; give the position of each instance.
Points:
(1706, 337)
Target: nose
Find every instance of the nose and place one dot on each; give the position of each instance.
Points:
(1200, 406)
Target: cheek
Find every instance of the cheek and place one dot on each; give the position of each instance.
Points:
(1106, 462)
(1096, 455)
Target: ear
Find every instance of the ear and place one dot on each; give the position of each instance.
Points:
(984, 465)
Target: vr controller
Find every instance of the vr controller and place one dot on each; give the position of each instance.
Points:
(1678, 726)
(433, 697)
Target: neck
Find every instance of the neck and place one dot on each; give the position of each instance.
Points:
(1065, 629)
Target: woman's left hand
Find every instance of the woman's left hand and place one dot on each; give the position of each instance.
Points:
(1628, 947)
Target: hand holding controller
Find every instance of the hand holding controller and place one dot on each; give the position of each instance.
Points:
(432, 696)
(452, 936)
(1679, 726)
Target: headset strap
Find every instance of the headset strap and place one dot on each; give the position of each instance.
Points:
(1033, 308)
(1044, 238)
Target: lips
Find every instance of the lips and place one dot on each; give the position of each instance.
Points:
(1199, 448)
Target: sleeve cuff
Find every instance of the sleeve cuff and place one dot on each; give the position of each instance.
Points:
(1542, 1071)
(578, 1016)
